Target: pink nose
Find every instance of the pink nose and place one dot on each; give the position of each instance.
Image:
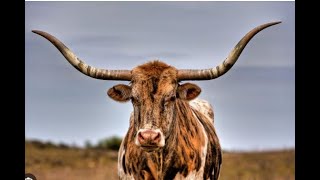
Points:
(149, 138)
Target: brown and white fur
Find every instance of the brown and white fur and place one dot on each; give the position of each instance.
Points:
(188, 146)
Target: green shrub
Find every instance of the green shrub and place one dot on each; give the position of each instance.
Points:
(111, 143)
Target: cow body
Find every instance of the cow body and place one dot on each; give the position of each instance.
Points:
(192, 152)
(188, 146)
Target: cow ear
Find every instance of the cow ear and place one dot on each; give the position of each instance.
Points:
(188, 91)
(120, 92)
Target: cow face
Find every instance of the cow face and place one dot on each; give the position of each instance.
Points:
(154, 92)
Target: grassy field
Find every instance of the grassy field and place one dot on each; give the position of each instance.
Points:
(49, 162)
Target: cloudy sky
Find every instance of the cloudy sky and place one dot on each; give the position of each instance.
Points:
(253, 102)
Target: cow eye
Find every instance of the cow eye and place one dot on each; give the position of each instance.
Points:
(135, 100)
(167, 100)
(170, 99)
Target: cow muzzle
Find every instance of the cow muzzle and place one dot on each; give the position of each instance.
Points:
(150, 139)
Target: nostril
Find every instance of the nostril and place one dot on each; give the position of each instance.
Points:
(140, 136)
(157, 137)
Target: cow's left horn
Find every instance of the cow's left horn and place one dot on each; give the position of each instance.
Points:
(97, 73)
(212, 73)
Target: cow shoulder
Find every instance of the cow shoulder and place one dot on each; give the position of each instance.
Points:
(204, 107)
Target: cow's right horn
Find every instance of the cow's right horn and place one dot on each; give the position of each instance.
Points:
(105, 74)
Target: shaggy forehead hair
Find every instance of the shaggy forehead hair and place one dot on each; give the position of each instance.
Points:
(154, 75)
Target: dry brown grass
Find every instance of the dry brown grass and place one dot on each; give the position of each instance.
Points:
(52, 163)
(269, 165)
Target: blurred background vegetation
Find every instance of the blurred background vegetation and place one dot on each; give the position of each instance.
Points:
(112, 143)
(47, 160)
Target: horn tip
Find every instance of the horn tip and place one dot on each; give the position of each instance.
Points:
(36, 31)
(270, 24)
(276, 22)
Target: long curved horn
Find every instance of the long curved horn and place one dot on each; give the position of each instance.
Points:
(212, 73)
(97, 73)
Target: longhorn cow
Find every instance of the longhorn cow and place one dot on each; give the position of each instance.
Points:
(171, 132)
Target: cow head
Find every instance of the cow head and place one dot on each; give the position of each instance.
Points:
(153, 92)
(154, 89)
